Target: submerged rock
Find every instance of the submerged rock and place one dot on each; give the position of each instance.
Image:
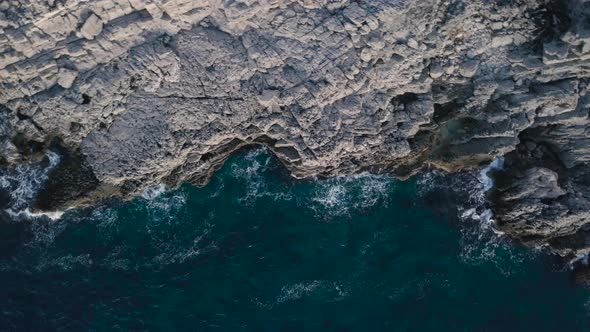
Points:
(148, 92)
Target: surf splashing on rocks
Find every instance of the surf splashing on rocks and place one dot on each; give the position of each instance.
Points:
(481, 242)
(484, 174)
(153, 191)
(251, 174)
(330, 198)
(340, 196)
(335, 196)
(28, 214)
(22, 183)
(163, 208)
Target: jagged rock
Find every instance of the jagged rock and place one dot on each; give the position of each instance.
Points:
(436, 71)
(469, 68)
(91, 27)
(536, 183)
(66, 78)
(501, 41)
(158, 91)
(413, 43)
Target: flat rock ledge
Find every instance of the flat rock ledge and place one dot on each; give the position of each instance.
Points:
(140, 92)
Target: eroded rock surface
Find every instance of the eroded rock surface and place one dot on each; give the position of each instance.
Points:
(141, 92)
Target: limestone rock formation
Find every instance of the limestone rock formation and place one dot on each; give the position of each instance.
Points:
(140, 92)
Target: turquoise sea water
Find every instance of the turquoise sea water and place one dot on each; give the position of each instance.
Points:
(257, 251)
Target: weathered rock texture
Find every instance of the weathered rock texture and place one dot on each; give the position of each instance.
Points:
(143, 92)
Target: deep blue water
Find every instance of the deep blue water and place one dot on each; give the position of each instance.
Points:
(257, 251)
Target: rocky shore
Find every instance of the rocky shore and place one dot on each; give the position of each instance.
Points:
(134, 93)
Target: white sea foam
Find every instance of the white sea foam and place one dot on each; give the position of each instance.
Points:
(486, 180)
(165, 208)
(251, 174)
(27, 214)
(481, 241)
(154, 191)
(23, 182)
(334, 196)
(106, 219)
(45, 232)
(486, 217)
(291, 292)
(297, 291)
(579, 259)
(341, 195)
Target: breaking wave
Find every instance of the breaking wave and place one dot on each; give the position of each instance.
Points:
(23, 182)
(251, 173)
(154, 191)
(252, 245)
(484, 174)
(340, 196)
(481, 241)
(27, 214)
(330, 198)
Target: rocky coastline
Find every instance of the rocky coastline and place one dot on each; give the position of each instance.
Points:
(131, 94)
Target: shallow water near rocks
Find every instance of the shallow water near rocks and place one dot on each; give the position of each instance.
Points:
(257, 251)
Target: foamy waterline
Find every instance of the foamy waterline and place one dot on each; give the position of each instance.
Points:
(23, 183)
(481, 241)
(487, 216)
(341, 195)
(334, 196)
(582, 259)
(154, 191)
(486, 180)
(26, 213)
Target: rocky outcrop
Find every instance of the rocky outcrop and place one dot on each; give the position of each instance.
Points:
(139, 92)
